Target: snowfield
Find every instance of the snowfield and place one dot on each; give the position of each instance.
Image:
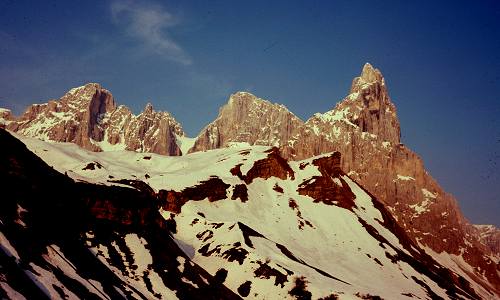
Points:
(265, 244)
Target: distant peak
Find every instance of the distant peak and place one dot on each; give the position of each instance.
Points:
(243, 93)
(148, 108)
(88, 87)
(368, 75)
(242, 97)
(93, 85)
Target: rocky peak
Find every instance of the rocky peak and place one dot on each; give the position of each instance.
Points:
(370, 106)
(5, 113)
(368, 75)
(242, 97)
(89, 94)
(489, 235)
(148, 109)
(88, 116)
(249, 119)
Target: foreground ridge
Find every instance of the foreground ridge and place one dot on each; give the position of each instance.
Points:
(235, 222)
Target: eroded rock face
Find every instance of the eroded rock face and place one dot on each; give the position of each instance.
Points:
(364, 127)
(214, 189)
(88, 117)
(246, 118)
(489, 234)
(329, 188)
(5, 117)
(272, 166)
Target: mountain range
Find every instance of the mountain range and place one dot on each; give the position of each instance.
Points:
(335, 206)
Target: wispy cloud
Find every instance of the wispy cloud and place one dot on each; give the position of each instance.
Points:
(150, 23)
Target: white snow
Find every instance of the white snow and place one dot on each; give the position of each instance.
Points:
(336, 242)
(185, 143)
(7, 248)
(181, 260)
(457, 264)
(142, 259)
(421, 207)
(57, 259)
(11, 293)
(335, 116)
(428, 194)
(404, 178)
(46, 281)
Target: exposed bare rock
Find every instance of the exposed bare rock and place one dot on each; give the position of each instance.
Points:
(214, 189)
(328, 188)
(246, 118)
(274, 165)
(88, 117)
(5, 117)
(150, 131)
(489, 235)
(364, 127)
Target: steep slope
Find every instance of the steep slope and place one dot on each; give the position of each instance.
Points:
(268, 228)
(88, 117)
(364, 127)
(66, 240)
(248, 119)
(489, 234)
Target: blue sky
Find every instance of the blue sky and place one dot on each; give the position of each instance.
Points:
(441, 61)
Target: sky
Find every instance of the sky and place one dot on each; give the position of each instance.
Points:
(440, 60)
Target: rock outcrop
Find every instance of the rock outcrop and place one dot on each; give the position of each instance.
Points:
(364, 127)
(213, 188)
(5, 117)
(89, 117)
(52, 248)
(248, 119)
(489, 234)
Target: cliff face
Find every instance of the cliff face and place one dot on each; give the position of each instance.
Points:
(364, 127)
(89, 117)
(248, 119)
(238, 210)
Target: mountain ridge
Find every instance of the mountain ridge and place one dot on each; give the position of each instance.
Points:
(258, 246)
(364, 127)
(89, 117)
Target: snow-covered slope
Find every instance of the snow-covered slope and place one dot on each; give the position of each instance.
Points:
(364, 127)
(268, 228)
(65, 240)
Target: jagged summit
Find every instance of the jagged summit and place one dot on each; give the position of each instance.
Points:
(88, 116)
(364, 127)
(248, 99)
(248, 119)
(369, 74)
(148, 108)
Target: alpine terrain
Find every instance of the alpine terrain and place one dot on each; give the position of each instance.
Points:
(99, 203)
